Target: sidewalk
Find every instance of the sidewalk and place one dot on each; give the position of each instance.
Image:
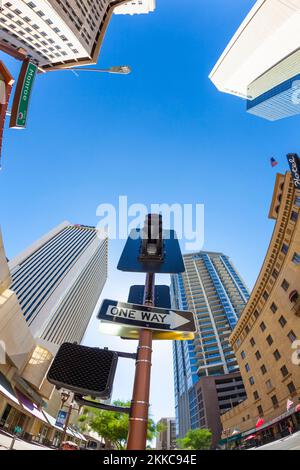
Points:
(5, 442)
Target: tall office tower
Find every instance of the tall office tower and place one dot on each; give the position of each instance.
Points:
(55, 33)
(136, 7)
(213, 289)
(58, 281)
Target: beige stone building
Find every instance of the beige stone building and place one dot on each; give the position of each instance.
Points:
(265, 337)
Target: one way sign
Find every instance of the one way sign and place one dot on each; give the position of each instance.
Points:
(126, 319)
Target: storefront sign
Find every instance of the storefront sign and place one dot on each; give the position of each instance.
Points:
(22, 95)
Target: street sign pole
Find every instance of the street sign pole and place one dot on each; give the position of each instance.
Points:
(138, 421)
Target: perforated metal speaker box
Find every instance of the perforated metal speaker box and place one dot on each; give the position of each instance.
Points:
(84, 370)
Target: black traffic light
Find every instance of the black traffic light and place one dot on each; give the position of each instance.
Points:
(84, 370)
(152, 239)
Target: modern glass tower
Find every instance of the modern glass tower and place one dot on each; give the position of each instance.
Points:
(214, 290)
(58, 281)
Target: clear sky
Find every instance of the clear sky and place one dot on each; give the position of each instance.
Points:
(95, 137)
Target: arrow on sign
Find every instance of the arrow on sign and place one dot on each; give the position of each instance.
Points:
(143, 316)
(172, 319)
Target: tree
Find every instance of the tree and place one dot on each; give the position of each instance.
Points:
(196, 439)
(112, 426)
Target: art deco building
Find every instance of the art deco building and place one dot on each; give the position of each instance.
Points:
(264, 337)
(58, 281)
(213, 289)
(56, 33)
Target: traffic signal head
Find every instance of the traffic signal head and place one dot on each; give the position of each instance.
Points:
(152, 239)
(84, 370)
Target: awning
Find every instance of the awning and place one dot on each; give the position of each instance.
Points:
(79, 435)
(7, 390)
(30, 407)
(279, 418)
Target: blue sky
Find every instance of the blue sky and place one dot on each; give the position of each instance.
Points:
(93, 138)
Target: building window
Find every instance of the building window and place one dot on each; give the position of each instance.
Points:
(296, 258)
(262, 326)
(258, 355)
(274, 307)
(247, 329)
(285, 285)
(277, 355)
(275, 274)
(252, 342)
(251, 381)
(263, 369)
(294, 216)
(247, 367)
(255, 395)
(260, 411)
(256, 314)
(292, 389)
(284, 371)
(292, 337)
(284, 248)
(269, 384)
(297, 201)
(265, 295)
(269, 340)
(282, 321)
(243, 354)
(275, 401)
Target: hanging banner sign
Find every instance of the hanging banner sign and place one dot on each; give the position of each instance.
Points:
(22, 95)
(61, 418)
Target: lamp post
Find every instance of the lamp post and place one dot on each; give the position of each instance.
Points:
(65, 395)
(117, 70)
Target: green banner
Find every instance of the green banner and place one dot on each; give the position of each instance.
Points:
(25, 95)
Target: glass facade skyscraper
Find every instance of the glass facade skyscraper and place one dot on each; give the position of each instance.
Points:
(214, 290)
(58, 281)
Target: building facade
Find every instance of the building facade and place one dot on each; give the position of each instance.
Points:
(56, 33)
(265, 337)
(166, 438)
(213, 396)
(136, 7)
(263, 45)
(58, 281)
(213, 289)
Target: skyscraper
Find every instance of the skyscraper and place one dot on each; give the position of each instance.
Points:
(58, 281)
(213, 289)
(55, 33)
(261, 62)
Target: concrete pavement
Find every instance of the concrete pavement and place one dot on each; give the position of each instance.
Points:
(5, 442)
(287, 443)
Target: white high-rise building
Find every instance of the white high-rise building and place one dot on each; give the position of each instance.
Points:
(58, 281)
(56, 33)
(136, 7)
(212, 288)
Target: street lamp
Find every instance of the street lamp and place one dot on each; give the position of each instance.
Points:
(118, 70)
